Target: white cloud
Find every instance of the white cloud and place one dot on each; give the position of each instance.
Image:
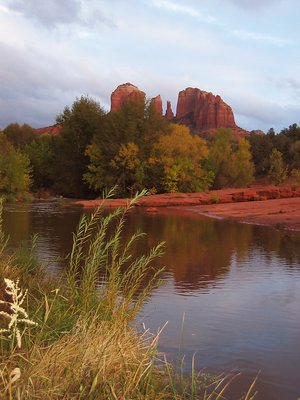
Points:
(289, 88)
(253, 4)
(254, 111)
(49, 13)
(4, 10)
(183, 9)
(261, 38)
(52, 13)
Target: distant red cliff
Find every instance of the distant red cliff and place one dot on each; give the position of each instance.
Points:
(125, 92)
(203, 112)
(50, 130)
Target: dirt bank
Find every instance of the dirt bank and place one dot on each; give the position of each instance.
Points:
(278, 206)
(280, 213)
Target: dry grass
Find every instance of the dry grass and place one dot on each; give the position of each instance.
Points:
(94, 361)
(83, 346)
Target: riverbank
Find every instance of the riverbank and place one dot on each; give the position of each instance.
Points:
(277, 206)
(279, 213)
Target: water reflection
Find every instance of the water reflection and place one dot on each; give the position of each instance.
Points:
(200, 250)
(238, 286)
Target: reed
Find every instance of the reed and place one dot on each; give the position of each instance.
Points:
(73, 338)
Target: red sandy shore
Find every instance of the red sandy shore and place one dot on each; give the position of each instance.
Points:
(269, 205)
(280, 213)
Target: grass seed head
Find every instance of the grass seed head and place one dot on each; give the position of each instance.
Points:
(17, 314)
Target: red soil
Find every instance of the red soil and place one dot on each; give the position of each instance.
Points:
(269, 205)
(280, 213)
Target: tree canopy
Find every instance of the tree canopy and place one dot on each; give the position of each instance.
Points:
(79, 124)
(178, 159)
(136, 148)
(15, 177)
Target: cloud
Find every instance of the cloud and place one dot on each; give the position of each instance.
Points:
(290, 83)
(183, 9)
(291, 86)
(261, 38)
(255, 112)
(36, 86)
(51, 13)
(253, 4)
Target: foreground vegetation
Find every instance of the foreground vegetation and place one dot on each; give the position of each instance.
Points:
(71, 337)
(136, 148)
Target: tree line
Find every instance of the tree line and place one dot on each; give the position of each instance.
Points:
(137, 148)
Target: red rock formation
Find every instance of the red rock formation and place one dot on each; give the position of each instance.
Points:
(203, 111)
(125, 92)
(157, 103)
(53, 130)
(169, 113)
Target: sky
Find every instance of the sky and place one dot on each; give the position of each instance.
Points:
(54, 51)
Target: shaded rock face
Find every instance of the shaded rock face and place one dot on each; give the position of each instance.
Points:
(203, 111)
(157, 103)
(169, 113)
(123, 93)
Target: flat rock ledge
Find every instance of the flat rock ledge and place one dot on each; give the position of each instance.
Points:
(259, 193)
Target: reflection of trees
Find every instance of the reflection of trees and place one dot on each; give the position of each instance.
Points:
(284, 244)
(198, 250)
(17, 223)
(289, 248)
(53, 225)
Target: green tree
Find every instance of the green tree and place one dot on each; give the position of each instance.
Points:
(261, 148)
(177, 159)
(96, 177)
(79, 124)
(288, 143)
(14, 169)
(231, 160)
(42, 156)
(136, 123)
(220, 157)
(278, 170)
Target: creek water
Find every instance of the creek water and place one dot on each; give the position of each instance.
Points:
(230, 292)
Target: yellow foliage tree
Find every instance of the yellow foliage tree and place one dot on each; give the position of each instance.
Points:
(14, 169)
(126, 163)
(178, 159)
(241, 166)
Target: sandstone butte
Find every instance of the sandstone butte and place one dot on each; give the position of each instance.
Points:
(123, 93)
(201, 111)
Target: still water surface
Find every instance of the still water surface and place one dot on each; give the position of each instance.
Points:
(236, 286)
